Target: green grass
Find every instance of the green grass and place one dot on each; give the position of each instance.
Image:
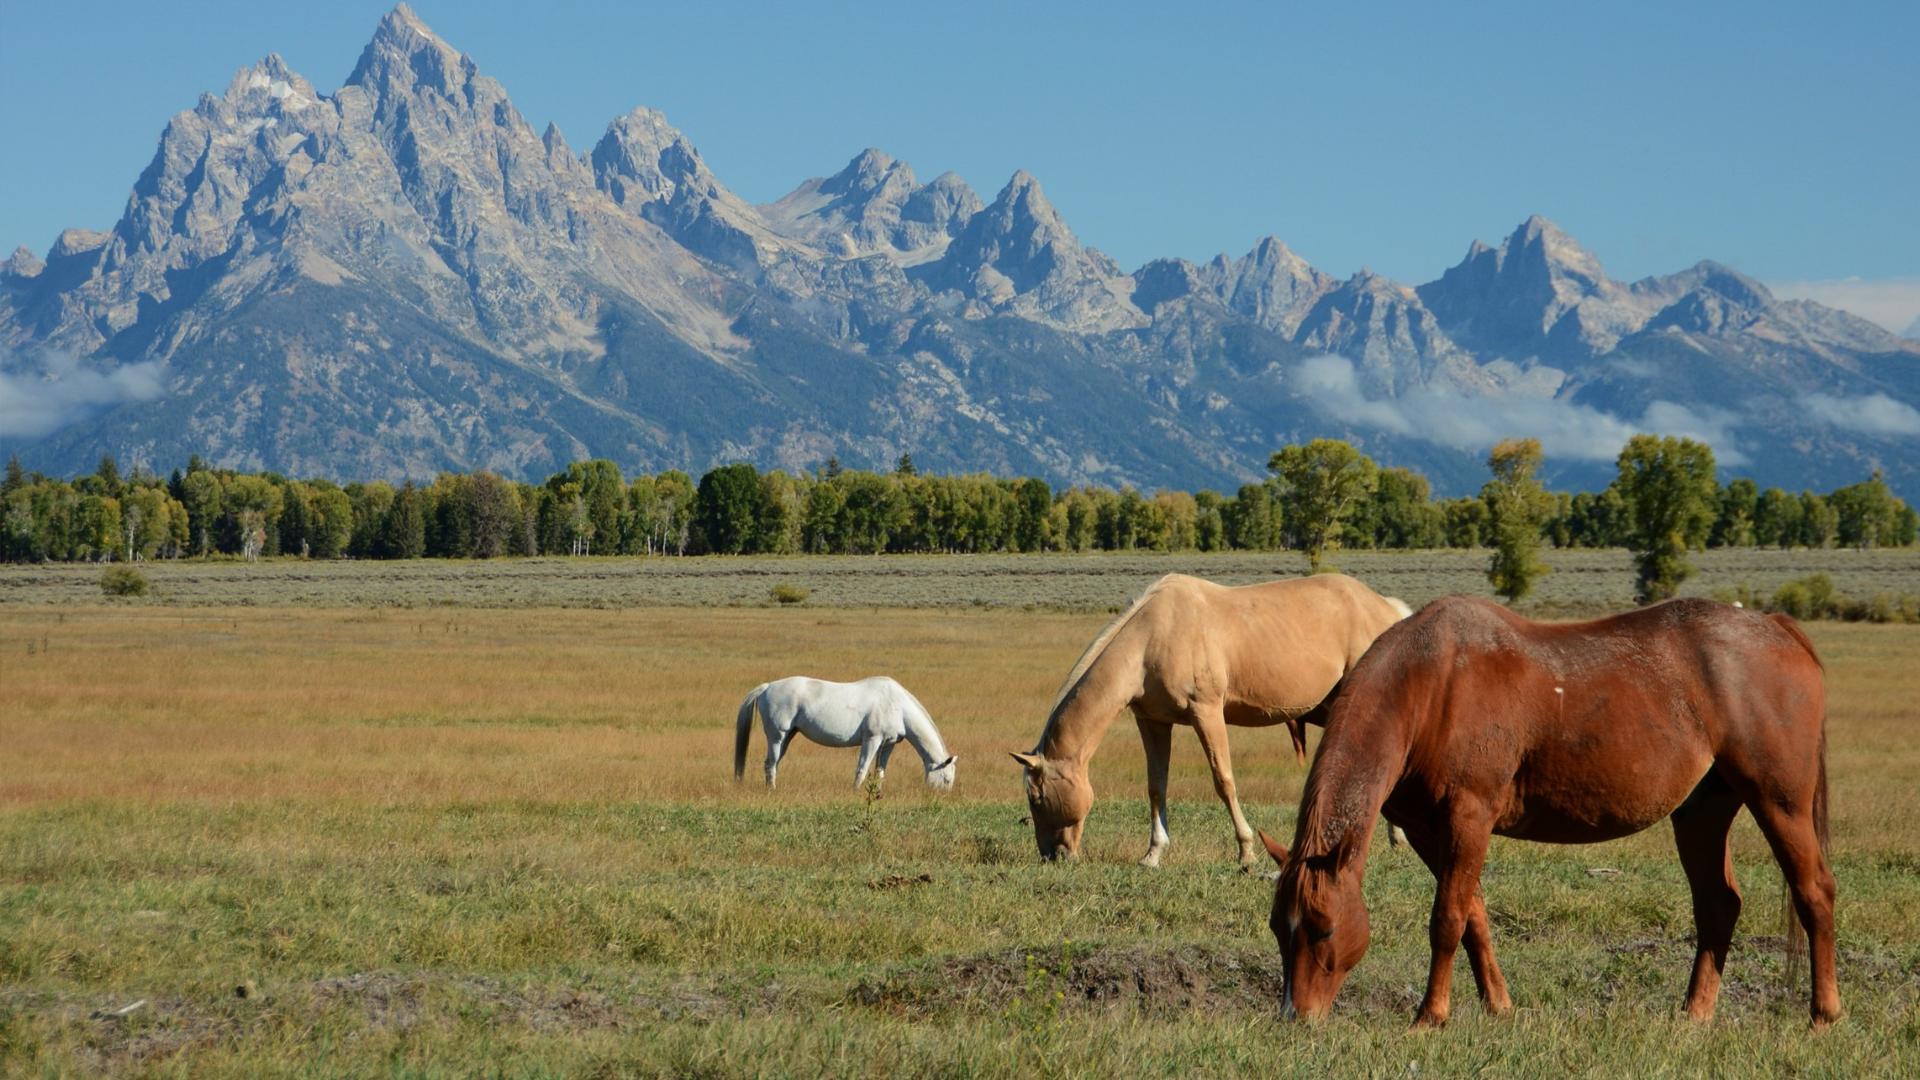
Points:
(1583, 582)
(509, 843)
(567, 939)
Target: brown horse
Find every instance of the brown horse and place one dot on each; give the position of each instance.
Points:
(1203, 655)
(1467, 720)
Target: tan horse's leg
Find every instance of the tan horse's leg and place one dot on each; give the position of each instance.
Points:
(1700, 828)
(1796, 847)
(1210, 723)
(1477, 936)
(1158, 740)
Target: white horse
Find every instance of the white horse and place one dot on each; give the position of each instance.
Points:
(873, 714)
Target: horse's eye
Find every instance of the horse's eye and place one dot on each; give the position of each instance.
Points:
(1317, 936)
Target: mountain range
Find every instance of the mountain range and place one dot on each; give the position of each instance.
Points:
(405, 276)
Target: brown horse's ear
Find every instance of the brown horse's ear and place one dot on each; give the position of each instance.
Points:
(1031, 761)
(1274, 849)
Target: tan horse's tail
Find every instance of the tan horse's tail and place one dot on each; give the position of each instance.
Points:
(1796, 934)
(743, 730)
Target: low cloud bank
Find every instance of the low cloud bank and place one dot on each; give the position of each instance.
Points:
(1873, 414)
(39, 397)
(1565, 430)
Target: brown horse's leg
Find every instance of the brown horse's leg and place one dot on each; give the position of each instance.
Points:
(1158, 739)
(1477, 935)
(1700, 828)
(1796, 845)
(1210, 723)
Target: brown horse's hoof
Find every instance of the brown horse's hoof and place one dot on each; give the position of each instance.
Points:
(1428, 1022)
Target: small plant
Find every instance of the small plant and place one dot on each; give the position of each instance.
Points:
(1810, 597)
(788, 594)
(123, 581)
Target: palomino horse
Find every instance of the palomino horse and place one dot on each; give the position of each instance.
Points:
(1203, 655)
(873, 714)
(1468, 720)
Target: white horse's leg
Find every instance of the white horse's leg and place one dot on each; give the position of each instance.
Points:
(869, 747)
(1158, 740)
(777, 743)
(880, 759)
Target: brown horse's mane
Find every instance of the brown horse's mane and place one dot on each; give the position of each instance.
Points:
(1333, 805)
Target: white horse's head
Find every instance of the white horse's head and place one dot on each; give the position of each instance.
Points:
(940, 777)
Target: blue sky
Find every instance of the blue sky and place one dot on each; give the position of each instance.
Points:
(1781, 139)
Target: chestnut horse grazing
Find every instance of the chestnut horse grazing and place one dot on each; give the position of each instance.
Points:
(1203, 655)
(1467, 720)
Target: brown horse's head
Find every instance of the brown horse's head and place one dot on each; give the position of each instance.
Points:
(1059, 797)
(1321, 924)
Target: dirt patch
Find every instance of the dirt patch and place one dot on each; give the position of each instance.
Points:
(1100, 978)
(900, 881)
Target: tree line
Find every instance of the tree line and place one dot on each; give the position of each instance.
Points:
(1320, 496)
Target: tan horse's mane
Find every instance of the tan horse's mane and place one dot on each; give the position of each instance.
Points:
(1097, 647)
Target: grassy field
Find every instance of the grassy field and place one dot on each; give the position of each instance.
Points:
(1582, 582)
(338, 840)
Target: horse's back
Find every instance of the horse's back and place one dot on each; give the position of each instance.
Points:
(1601, 727)
(1268, 649)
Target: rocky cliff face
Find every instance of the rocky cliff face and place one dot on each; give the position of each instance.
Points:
(405, 276)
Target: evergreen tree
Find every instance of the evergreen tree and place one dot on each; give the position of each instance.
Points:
(727, 506)
(405, 535)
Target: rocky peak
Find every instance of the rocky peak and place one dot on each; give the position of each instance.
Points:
(1163, 281)
(1270, 285)
(642, 158)
(1539, 294)
(945, 202)
(1381, 325)
(875, 206)
(408, 57)
(869, 172)
(1018, 255)
(23, 263)
(649, 167)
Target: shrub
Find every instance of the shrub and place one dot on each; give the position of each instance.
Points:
(788, 594)
(123, 581)
(1810, 597)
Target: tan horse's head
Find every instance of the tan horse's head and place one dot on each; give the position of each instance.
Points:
(1059, 797)
(1321, 923)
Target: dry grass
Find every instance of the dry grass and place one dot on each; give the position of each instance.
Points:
(110, 703)
(510, 841)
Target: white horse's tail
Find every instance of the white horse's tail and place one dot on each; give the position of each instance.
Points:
(743, 729)
(1400, 606)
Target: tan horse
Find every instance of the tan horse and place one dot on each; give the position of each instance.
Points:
(1203, 655)
(1467, 721)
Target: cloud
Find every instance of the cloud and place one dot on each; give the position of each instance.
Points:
(1565, 430)
(1873, 414)
(1892, 302)
(41, 396)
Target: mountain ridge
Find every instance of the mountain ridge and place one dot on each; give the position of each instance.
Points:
(405, 275)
